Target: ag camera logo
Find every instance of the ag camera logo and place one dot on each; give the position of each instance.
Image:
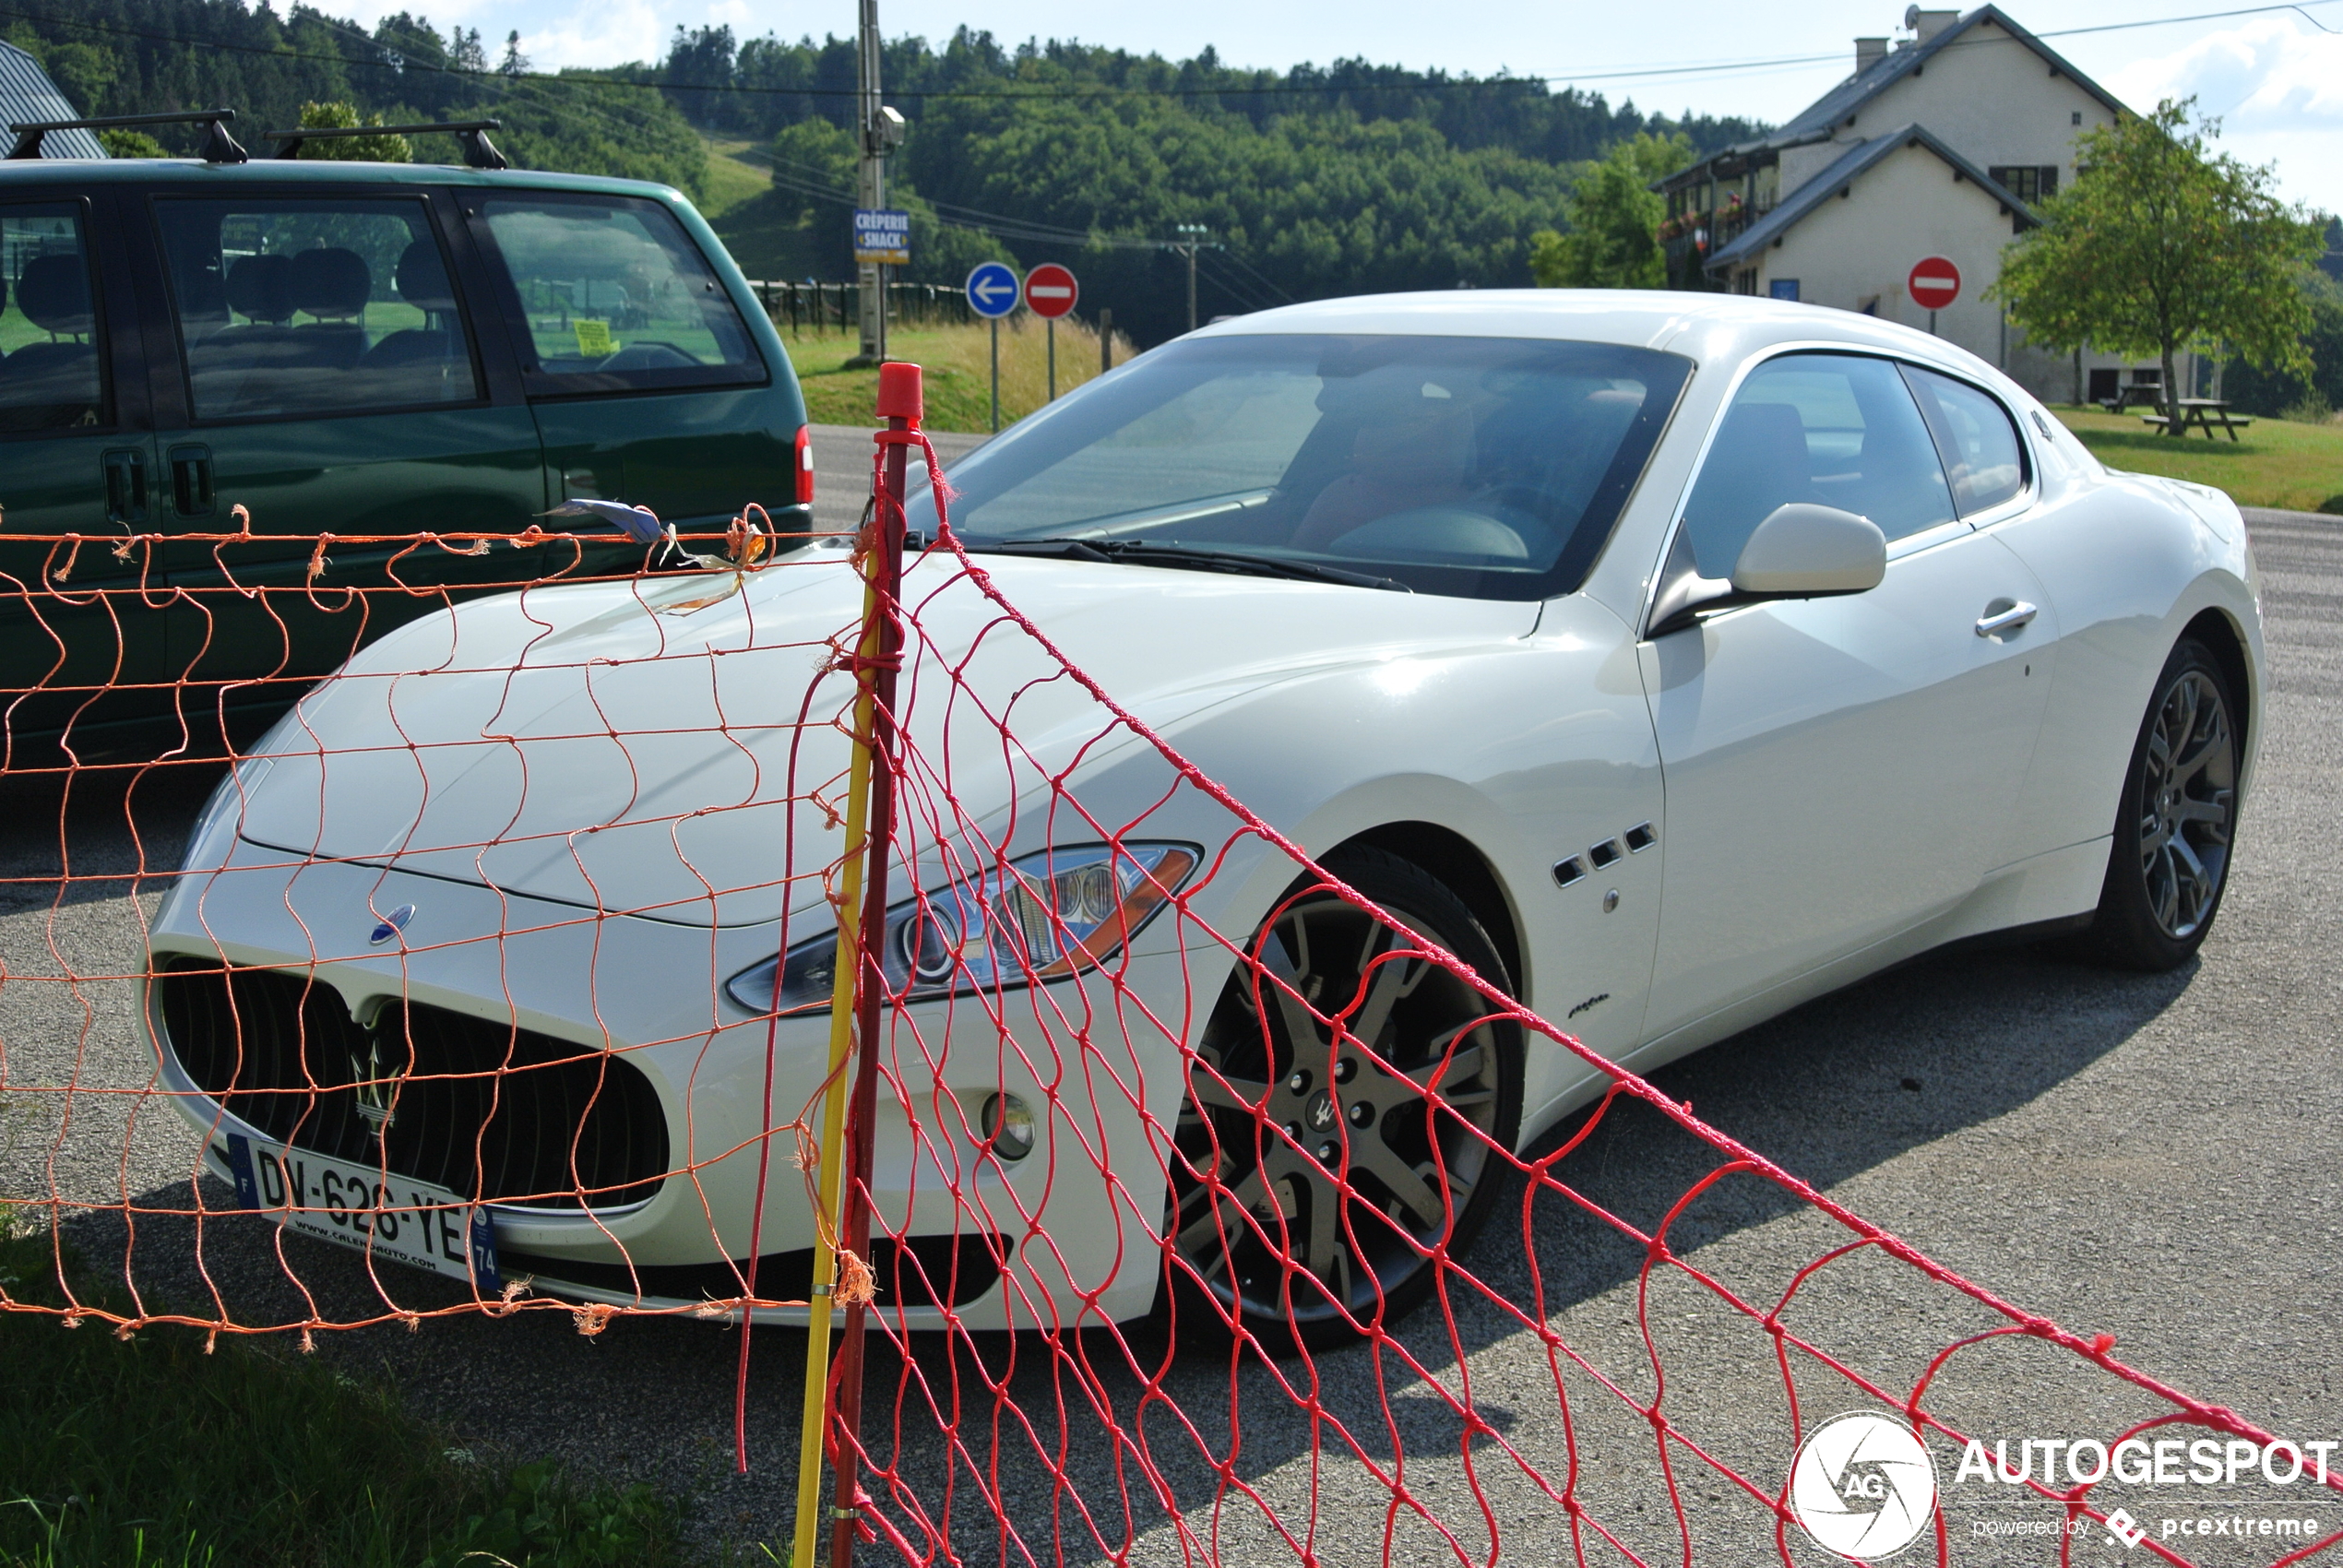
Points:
(1863, 1486)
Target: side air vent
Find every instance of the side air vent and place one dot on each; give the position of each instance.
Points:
(1569, 871)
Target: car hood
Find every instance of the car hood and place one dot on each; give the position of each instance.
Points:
(628, 747)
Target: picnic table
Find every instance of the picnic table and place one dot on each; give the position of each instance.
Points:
(2202, 413)
(2131, 397)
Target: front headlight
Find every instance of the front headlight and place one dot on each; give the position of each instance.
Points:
(1041, 918)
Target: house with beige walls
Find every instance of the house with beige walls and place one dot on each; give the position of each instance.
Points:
(1936, 146)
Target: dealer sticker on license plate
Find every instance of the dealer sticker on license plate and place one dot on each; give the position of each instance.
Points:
(359, 1206)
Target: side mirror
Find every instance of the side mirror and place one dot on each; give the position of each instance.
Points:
(1802, 550)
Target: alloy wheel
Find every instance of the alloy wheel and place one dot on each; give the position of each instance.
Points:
(2187, 802)
(1315, 1171)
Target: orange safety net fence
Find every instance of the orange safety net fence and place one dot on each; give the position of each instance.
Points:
(1180, 1212)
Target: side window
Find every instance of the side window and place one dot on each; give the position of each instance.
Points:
(1839, 430)
(1973, 432)
(313, 306)
(617, 297)
(51, 366)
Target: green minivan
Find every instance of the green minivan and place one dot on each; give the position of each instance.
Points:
(339, 348)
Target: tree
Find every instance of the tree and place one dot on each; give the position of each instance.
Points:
(515, 63)
(121, 143)
(1613, 241)
(2157, 248)
(363, 150)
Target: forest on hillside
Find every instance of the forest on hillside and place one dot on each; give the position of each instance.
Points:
(1313, 181)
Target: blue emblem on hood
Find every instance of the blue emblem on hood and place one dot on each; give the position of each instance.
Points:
(392, 924)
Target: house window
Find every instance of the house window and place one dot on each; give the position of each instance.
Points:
(2027, 182)
(1782, 287)
(2075, 118)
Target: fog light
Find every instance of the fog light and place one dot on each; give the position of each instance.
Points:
(1008, 1127)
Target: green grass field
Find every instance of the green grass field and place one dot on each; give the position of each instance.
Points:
(957, 362)
(2276, 463)
(152, 1454)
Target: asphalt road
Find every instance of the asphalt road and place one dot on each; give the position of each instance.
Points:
(2149, 1156)
(842, 470)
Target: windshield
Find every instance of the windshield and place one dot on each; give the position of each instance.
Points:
(1489, 467)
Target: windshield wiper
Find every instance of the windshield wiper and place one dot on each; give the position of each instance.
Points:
(1182, 557)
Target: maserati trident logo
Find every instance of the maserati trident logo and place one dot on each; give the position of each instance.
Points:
(375, 1089)
(1863, 1486)
(392, 924)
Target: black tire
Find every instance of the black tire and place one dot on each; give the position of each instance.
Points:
(2176, 821)
(1299, 1179)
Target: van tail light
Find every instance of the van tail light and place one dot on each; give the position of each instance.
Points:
(805, 465)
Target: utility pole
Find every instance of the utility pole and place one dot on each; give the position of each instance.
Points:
(882, 133)
(1192, 237)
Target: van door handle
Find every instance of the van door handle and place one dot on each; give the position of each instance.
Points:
(191, 480)
(2005, 620)
(126, 472)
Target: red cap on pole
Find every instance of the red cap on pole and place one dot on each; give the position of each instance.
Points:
(899, 394)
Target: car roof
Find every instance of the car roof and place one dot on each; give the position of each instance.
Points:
(1706, 327)
(194, 173)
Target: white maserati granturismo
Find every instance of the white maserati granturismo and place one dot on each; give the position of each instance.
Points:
(1668, 659)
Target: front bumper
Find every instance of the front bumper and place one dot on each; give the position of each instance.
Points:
(1066, 1235)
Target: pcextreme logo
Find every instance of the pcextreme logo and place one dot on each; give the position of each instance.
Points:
(1863, 1486)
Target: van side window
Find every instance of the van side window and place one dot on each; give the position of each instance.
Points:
(51, 359)
(313, 306)
(616, 297)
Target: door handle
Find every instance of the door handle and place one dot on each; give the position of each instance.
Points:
(126, 472)
(1996, 622)
(191, 480)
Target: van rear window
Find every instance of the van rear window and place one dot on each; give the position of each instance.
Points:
(616, 297)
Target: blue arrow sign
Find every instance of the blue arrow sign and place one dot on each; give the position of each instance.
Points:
(992, 289)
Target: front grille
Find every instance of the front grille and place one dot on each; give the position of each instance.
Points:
(481, 1109)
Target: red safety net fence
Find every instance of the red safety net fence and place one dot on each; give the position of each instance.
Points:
(1188, 1193)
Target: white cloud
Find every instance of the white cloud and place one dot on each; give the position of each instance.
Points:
(2275, 83)
(2272, 73)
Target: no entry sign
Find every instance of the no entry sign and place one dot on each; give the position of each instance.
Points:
(1050, 291)
(1935, 284)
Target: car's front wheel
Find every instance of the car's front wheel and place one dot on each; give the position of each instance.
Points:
(1316, 1186)
(2169, 865)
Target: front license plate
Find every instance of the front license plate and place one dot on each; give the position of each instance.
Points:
(358, 1205)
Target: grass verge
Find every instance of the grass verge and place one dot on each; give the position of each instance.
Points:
(958, 364)
(2276, 463)
(153, 1454)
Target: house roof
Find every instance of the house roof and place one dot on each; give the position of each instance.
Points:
(1857, 160)
(28, 96)
(1816, 120)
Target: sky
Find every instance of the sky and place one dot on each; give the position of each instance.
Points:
(2274, 77)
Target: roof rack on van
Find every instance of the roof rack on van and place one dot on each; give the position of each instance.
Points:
(478, 151)
(219, 146)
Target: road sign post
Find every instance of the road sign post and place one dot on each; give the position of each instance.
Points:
(1935, 284)
(993, 293)
(1050, 292)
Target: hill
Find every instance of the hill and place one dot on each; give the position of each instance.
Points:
(1312, 181)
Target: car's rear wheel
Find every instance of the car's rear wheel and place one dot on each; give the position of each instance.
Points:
(1314, 1189)
(2169, 865)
